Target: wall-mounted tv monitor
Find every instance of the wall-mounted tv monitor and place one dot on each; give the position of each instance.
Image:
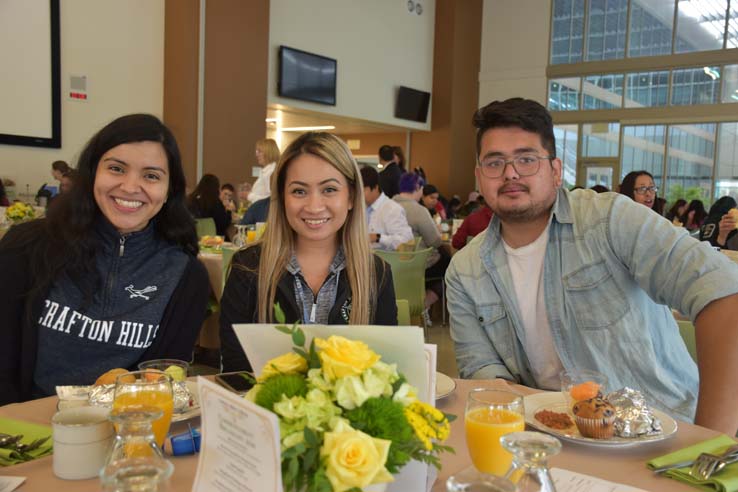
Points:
(412, 104)
(306, 76)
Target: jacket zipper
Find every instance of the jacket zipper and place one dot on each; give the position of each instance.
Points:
(122, 246)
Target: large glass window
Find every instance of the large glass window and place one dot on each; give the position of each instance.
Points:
(566, 150)
(606, 33)
(732, 41)
(643, 150)
(602, 91)
(730, 84)
(651, 27)
(695, 86)
(563, 94)
(700, 25)
(647, 89)
(726, 174)
(567, 28)
(600, 139)
(690, 157)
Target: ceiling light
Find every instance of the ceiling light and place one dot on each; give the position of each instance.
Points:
(307, 128)
(271, 120)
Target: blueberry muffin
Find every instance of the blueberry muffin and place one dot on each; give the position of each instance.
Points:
(594, 418)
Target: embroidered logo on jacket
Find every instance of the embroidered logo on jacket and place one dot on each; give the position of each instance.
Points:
(141, 292)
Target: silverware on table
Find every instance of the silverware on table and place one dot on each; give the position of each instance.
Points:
(9, 441)
(707, 464)
(731, 452)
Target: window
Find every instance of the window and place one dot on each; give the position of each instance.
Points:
(600, 139)
(563, 94)
(651, 27)
(603, 91)
(730, 84)
(607, 25)
(566, 150)
(727, 161)
(695, 86)
(567, 27)
(643, 150)
(647, 89)
(700, 25)
(690, 158)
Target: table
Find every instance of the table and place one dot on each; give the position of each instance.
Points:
(618, 465)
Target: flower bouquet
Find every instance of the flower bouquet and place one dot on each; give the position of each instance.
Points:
(19, 211)
(347, 419)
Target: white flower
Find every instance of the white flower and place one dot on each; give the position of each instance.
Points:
(406, 394)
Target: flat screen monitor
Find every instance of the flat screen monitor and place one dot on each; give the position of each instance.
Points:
(412, 104)
(306, 76)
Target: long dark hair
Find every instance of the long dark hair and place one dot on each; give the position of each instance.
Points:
(674, 210)
(627, 187)
(699, 213)
(66, 242)
(206, 195)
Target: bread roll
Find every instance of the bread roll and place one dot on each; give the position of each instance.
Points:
(110, 377)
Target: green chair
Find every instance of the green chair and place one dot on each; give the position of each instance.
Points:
(403, 312)
(205, 227)
(686, 329)
(227, 257)
(408, 274)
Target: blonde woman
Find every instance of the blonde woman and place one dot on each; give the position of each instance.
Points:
(267, 155)
(314, 259)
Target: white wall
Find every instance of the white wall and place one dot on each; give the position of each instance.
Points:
(378, 44)
(515, 38)
(119, 46)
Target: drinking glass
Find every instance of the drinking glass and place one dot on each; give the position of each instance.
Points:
(472, 480)
(136, 463)
(239, 240)
(531, 450)
(489, 415)
(147, 390)
(250, 234)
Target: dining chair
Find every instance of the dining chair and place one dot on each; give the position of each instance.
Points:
(408, 275)
(205, 227)
(403, 312)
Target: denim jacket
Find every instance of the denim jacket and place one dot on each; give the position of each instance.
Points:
(612, 268)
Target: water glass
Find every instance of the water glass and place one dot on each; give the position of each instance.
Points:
(472, 480)
(529, 469)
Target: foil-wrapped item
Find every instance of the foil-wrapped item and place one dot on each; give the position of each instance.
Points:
(102, 395)
(183, 400)
(633, 417)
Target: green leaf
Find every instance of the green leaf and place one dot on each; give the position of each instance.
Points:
(298, 337)
(313, 359)
(311, 437)
(300, 352)
(449, 416)
(279, 314)
(310, 458)
(284, 329)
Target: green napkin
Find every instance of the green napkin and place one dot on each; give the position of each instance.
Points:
(30, 432)
(724, 481)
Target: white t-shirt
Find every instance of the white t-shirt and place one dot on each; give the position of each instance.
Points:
(526, 268)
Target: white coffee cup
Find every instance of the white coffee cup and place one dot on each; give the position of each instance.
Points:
(82, 440)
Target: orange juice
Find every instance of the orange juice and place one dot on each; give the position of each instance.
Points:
(136, 400)
(250, 236)
(484, 427)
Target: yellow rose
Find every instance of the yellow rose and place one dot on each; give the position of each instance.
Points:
(341, 357)
(289, 363)
(353, 458)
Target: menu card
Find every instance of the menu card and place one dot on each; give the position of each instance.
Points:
(569, 481)
(239, 451)
(401, 345)
(8, 484)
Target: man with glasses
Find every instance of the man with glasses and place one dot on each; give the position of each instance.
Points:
(581, 280)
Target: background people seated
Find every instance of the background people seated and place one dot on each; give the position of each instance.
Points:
(474, 224)
(267, 155)
(314, 259)
(205, 202)
(677, 210)
(257, 212)
(386, 221)
(110, 277)
(695, 215)
(389, 177)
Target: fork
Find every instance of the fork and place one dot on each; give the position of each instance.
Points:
(25, 448)
(706, 464)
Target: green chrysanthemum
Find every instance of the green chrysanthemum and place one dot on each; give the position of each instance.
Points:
(275, 387)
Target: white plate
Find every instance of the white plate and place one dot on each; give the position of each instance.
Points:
(194, 410)
(554, 401)
(444, 385)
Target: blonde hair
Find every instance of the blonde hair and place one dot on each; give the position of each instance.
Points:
(268, 147)
(279, 239)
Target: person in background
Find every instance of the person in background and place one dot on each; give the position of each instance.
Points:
(472, 203)
(710, 230)
(430, 200)
(257, 212)
(422, 224)
(204, 202)
(267, 155)
(314, 258)
(584, 280)
(639, 187)
(4, 202)
(599, 188)
(66, 183)
(453, 207)
(659, 205)
(728, 231)
(399, 157)
(243, 196)
(473, 225)
(695, 215)
(677, 210)
(58, 168)
(110, 277)
(389, 177)
(386, 221)
(227, 197)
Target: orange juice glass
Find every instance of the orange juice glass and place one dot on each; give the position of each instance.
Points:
(490, 414)
(146, 390)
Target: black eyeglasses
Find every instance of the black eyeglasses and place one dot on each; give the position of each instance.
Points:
(642, 190)
(524, 165)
